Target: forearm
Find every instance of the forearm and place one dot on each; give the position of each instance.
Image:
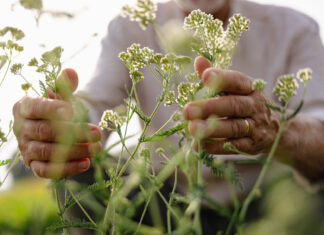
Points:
(302, 146)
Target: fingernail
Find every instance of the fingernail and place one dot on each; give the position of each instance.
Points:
(83, 164)
(194, 112)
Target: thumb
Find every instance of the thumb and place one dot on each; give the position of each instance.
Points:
(66, 84)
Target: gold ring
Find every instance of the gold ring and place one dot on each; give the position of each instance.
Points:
(247, 127)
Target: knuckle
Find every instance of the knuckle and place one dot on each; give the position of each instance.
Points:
(43, 130)
(236, 129)
(235, 103)
(44, 152)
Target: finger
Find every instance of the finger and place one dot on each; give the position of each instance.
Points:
(63, 132)
(217, 147)
(223, 106)
(67, 83)
(227, 81)
(200, 65)
(225, 128)
(42, 108)
(44, 151)
(58, 170)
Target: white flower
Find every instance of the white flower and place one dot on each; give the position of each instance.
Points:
(304, 75)
(258, 85)
(286, 87)
(143, 12)
(112, 117)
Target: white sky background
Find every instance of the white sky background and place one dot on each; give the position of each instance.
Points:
(91, 18)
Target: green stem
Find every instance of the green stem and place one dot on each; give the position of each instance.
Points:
(14, 162)
(265, 167)
(144, 211)
(170, 200)
(6, 72)
(82, 208)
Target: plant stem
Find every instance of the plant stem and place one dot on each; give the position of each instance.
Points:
(170, 199)
(144, 211)
(82, 208)
(6, 72)
(265, 167)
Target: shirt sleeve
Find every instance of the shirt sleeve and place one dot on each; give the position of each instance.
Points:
(307, 51)
(108, 86)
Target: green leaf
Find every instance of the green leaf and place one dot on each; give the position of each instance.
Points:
(223, 170)
(43, 89)
(276, 108)
(5, 162)
(296, 111)
(163, 134)
(72, 223)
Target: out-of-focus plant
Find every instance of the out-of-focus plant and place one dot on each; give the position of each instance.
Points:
(136, 181)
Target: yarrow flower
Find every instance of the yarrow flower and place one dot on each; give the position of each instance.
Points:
(286, 87)
(169, 98)
(216, 44)
(143, 12)
(304, 75)
(258, 85)
(185, 91)
(112, 117)
(16, 34)
(136, 58)
(16, 69)
(26, 86)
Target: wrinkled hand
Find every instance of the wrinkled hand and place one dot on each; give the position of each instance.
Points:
(51, 144)
(241, 105)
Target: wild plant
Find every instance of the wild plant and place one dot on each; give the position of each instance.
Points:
(125, 187)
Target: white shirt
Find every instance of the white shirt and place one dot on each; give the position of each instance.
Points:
(280, 41)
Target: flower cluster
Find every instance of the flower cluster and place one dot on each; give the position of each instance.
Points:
(171, 63)
(112, 117)
(286, 87)
(185, 91)
(26, 86)
(143, 12)
(258, 85)
(16, 69)
(16, 34)
(50, 67)
(216, 44)
(136, 58)
(304, 75)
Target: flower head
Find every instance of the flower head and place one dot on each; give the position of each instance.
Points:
(16, 69)
(26, 86)
(286, 87)
(112, 117)
(216, 44)
(16, 34)
(143, 12)
(304, 75)
(185, 91)
(258, 85)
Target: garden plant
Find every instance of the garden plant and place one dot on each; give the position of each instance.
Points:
(125, 187)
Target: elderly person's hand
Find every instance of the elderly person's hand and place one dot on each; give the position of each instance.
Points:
(51, 144)
(243, 118)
